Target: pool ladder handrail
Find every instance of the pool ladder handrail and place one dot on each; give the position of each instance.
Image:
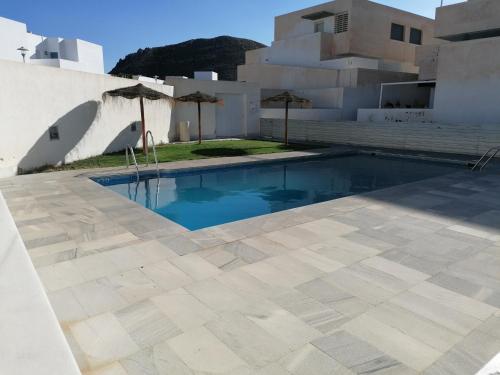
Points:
(481, 166)
(127, 149)
(149, 134)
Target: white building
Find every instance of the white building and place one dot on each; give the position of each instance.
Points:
(236, 115)
(337, 54)
(73, 54)
(464, 66)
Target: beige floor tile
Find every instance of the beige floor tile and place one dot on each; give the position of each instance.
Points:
(397, 270)
(217, 296)
(328, 228)
(454, 320)
(98, 296)
(95, 266)
(287, 328)
(166, 275)
(183, 309)
(134, 285)
(154, 251)
(103, 340)
(201, 351)
(196, 267)
(392, 341)
(454, 300)
(113, 369)
(272, 275)
(309, 360)
(250, 342)
(146, 324)
(354, 285)
(60, 276)
(272, 369)
(67, 308)
(438, 337)
(302, 272)
(316, 260)
(125, 258)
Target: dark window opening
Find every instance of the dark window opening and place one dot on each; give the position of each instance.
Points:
(398, 32)
(54, 55)
(54, 133)
(415, 36)
(341, 23)
(319, 27)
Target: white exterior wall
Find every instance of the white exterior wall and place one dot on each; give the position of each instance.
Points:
(12, 37)
(459, 139)
(468, 81)
(248, 111)
(37, 97)
(395, 115)
(309, 114)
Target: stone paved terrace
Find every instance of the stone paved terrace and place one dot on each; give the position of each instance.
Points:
(400, 281)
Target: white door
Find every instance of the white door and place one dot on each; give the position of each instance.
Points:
(230, 116)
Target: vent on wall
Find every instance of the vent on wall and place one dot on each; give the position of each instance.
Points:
(341, 23)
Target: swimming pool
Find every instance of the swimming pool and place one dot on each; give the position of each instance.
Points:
(203, 198)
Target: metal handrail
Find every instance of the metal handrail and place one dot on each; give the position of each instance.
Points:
(127, 149)
(150, 134)
(496, 149)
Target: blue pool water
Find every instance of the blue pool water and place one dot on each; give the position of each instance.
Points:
(200, 199)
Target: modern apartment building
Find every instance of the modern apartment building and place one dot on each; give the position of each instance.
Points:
(463, 65)
(337, 54)
(17, 44)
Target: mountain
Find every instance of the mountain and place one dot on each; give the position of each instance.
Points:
(221, 54)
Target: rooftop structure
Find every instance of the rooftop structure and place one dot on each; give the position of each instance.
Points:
(17, 44)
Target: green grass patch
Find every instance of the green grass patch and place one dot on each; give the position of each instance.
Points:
(185, 151)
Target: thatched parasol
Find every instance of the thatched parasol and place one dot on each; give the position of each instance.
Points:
(198, 97)
(142, 92)
(286, 98)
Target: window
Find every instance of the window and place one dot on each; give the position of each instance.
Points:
(54, 133)
(319, 27)
(341, 23)
(398, 32)
(54, 55)
(415, 36)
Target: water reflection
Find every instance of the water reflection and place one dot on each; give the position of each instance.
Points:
(211, 197)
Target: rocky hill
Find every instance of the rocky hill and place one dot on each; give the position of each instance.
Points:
(222, 55)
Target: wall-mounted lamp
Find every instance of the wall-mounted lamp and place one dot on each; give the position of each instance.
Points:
(23, 52)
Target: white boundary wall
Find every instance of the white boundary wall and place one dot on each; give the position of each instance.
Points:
(395, 115)
(34, 98)
(31, 340)
(459, 139)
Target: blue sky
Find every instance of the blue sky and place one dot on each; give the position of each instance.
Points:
(124, 26)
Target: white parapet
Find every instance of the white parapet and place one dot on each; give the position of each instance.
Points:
(31, 340)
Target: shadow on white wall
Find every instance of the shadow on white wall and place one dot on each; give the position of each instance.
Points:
(71, 128)
(126, 137)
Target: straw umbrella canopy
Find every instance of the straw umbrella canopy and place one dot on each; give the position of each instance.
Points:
(198, 97)
(142, 92)
(286, 98)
